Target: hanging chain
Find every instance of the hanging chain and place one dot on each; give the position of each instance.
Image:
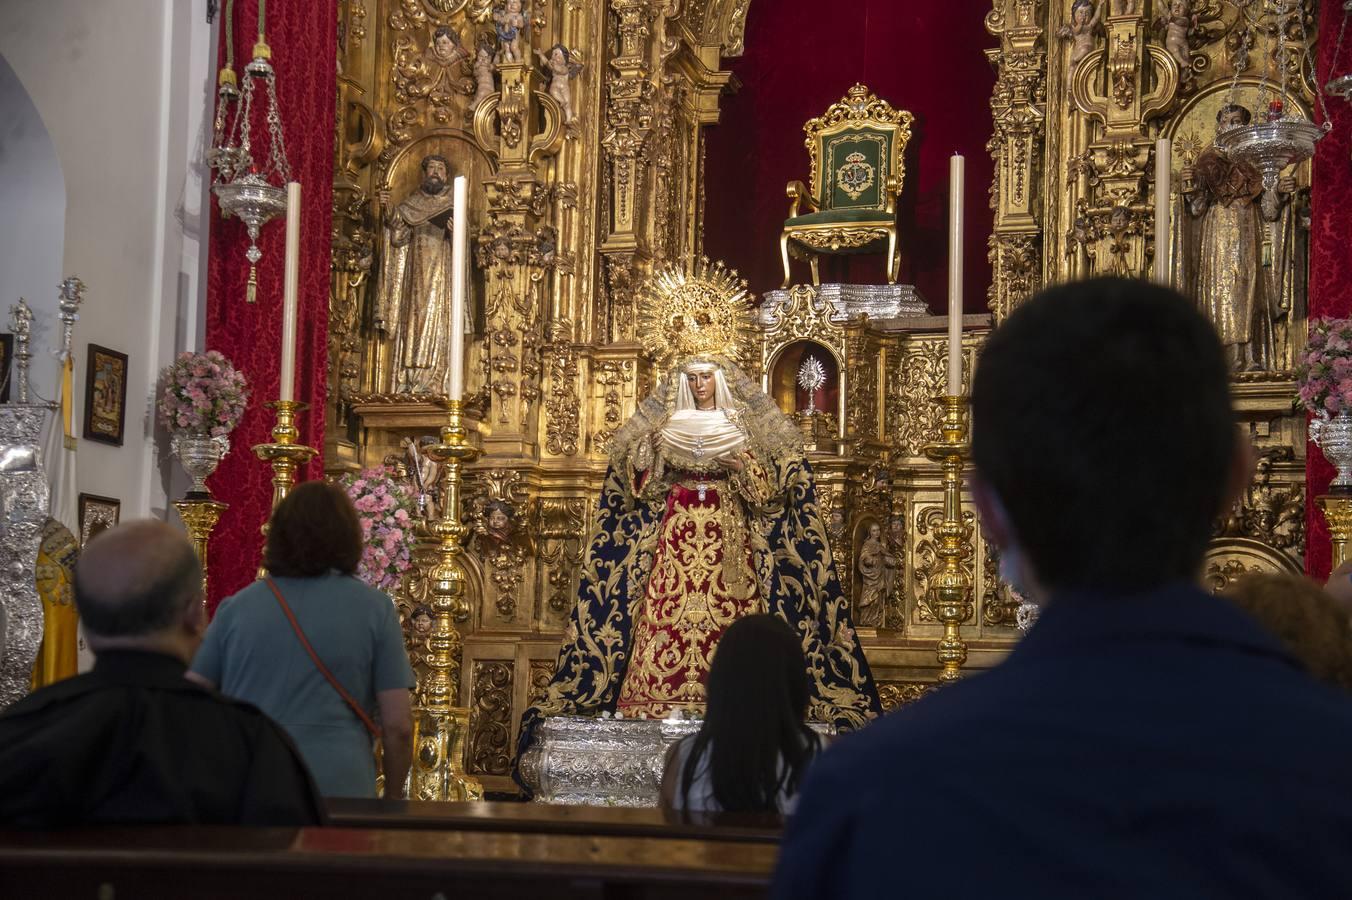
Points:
(278, 159)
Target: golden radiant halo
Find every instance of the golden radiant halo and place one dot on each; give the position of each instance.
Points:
(697, 310)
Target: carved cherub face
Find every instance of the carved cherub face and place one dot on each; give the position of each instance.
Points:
(1178, 7)
(1079, 14)
(513, 6)
(558, 58)
(443, 45)
(498, 521)
(422, 620)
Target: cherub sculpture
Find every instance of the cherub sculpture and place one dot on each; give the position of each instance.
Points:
(559, 64)
(510, 19)
(1084, 21)
(483, 71)
(1177, 25)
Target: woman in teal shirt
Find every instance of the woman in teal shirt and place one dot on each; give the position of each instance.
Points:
(253, 653)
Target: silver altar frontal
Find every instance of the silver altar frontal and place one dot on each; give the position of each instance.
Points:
(877, 301)
(23, 509)
(589, 761)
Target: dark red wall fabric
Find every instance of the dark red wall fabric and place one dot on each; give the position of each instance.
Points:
(1330, 259)
(303, 37)
(802, 56)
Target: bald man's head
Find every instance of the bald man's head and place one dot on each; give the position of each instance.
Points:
(136, 580)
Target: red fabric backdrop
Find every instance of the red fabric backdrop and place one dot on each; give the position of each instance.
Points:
(1330, 261)
(802, 56)
(303, 37)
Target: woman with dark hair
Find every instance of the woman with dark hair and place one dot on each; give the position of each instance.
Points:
(754, 747)
(316, 649)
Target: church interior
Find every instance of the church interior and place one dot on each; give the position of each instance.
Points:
(453, 256)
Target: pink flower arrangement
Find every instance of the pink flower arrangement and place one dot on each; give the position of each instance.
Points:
(203, 394)
(385, 508)
(1324, 370)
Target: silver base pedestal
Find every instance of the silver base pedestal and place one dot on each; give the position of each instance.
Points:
(877, 301)
(604, 762)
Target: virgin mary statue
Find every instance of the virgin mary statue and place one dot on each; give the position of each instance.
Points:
(708, 513)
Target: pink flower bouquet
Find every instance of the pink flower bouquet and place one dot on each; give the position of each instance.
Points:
(1324, 369)
(202, 394)
(385, 508)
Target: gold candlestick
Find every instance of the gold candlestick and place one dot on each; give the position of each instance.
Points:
(441, 727)
(200, 517)
(285, 453)
(950, 595)
(1338, 513)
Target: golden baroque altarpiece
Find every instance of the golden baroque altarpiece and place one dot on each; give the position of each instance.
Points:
(580, 128)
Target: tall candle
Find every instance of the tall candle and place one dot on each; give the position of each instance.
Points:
(290, 286)
(1163, 176)
(459, 257)
(955, 275)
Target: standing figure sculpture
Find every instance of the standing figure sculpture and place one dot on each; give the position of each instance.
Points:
(874, 588)
(483, 71)
(1084, 21)
(413, 294)
(558, 62)
(1177, 25)
(1229, 279)
(510, 19)
(708, 513)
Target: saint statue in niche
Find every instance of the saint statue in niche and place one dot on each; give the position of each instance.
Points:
(1234, 286)
(874, 588)
(708, 513)
(413, 293)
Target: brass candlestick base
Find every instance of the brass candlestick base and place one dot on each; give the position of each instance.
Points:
(1338, 513)
(441, 727)
(950, 596)
(200, 517)
(285, 453)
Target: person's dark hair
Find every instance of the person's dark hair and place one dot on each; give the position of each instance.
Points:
(1310, 623)
(754, 718)
(434, 157)
(1234, 107)
(449, 32)
(1060, 398)
(313, 530)
(134, 581)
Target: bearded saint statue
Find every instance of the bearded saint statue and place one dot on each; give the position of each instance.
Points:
(413, 294)
(708, 513)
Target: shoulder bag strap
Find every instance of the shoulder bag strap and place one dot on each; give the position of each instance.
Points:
(323, 669)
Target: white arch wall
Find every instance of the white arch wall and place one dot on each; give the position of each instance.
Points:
(122, 87)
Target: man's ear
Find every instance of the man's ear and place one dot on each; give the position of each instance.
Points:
(993, 522)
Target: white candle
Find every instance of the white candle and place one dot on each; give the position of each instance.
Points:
(955, 275)
(290, 286)
(1163, 176)
(459, 257)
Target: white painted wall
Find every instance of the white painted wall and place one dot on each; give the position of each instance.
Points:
(122, 87)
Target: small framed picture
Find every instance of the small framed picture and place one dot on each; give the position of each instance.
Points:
(6, 365)
(105, 395)
(97, 514)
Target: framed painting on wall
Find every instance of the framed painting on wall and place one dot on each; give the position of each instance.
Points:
(105, 395)
(97, 514)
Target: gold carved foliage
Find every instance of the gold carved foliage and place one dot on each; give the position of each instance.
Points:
(998, 604)
(927, 562)
(563, 403)
(561, 529)
(496, 500)
(490, 725)
(896, 694)
(541, 673)
(614, 382)
(862, 409)
(922, 370)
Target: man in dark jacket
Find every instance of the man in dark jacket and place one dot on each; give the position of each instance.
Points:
(1145, 739)
(133, 741)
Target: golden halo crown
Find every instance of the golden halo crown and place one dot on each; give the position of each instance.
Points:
(700, 309)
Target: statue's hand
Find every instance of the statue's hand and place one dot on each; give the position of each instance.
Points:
(731, 463)
(384, 201)
(1287, 184)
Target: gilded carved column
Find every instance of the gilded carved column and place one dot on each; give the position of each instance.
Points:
(1019, 110)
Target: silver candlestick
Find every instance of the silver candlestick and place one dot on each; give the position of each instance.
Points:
(21, 323)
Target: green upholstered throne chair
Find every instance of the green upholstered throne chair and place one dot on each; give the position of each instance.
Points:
(856, 150)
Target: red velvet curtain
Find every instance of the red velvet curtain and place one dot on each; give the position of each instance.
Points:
(1330, 260)
(303, 37)
(802, 56)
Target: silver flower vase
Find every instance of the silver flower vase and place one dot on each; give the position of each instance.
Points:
(199, 454)
(1333, 434)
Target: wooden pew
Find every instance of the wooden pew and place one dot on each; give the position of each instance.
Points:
(438, 852)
